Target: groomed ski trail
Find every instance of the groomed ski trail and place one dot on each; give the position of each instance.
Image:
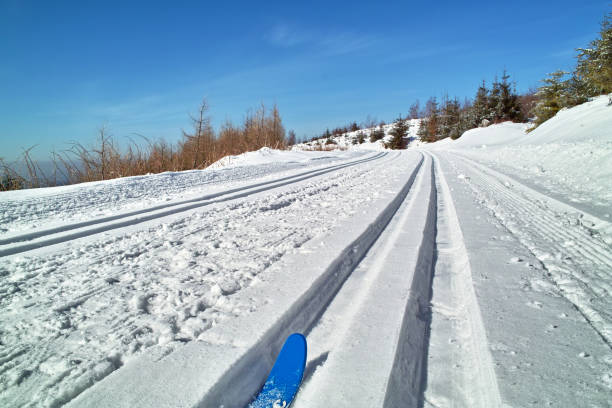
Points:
(387, 293)
(461, 370)
(157, 284)
(41, 238)
(381, 262)
(566, 241)
(231, 361)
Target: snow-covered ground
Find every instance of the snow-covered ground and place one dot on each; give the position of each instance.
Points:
(468, 273)
(350, 140)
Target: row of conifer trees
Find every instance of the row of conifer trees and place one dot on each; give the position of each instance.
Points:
(591, 77)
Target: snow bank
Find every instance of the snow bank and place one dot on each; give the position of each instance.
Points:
(265, 155)
(568, 157)
(482, 138)
(347, 141)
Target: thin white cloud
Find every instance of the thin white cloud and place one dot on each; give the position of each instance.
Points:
(287, 35)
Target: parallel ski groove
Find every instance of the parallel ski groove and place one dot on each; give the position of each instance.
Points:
(305, 311)
(346, 340)
(586, 248)
(106, 251)
(408, 376)
(472, 381)
(157, 211)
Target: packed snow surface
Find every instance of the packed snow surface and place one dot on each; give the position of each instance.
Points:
(467, 273)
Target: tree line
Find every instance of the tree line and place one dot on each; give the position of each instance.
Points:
(450, 117)
(591, 77)
(197, 148)
(263, 127)
(500, 102)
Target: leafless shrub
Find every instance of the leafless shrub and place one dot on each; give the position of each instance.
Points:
(197, 149)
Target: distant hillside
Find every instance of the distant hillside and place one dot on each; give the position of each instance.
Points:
(360, 139)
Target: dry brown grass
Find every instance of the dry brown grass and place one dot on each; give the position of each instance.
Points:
(197, 149)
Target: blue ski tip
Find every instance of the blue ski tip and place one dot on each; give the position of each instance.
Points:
(286, 375)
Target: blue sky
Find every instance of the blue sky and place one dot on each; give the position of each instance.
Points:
(69, 67)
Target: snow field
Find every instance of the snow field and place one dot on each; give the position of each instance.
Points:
(350, 362)
(67, 232)
(26, 211)
(161, 283)
(471, 273)
(544, 351)
(243, 349)
(457, 335)
(569, 157)
(577, 263)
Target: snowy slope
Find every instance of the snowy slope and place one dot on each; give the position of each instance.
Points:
(349, 140)
(450, 275)
(569, 156)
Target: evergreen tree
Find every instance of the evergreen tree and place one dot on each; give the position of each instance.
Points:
(377, 134)
(479, 109)
(494, 102)
(594, 66)
(509, 105)
(449, 119)
(433, 119)
(428, 127)
(423, 132)
(398, 132)
(505, 98)
(552, 96)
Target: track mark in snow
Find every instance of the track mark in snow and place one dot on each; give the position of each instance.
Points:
(70, 204)
(43, 238)
(351, 363)
(576, 262)
(248, 373)
(86, 309)
(461, 371)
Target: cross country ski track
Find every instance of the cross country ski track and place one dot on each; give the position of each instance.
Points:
(390, 305)
(576, 257)
(46, 237)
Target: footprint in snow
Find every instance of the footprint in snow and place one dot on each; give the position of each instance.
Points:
(534, 304)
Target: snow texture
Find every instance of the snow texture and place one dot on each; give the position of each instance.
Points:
(467, 273)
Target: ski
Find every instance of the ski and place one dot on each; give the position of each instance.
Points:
(285, 377)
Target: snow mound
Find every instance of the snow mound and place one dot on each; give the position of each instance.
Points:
(568, 157)
(492, 136)
(350, 140)
(591, 121)
(266, 155)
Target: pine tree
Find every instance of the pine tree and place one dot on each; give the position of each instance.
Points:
(494, 102)
(377, 134)
(505, 98)
(423, 132)
(479, 109)
(509, 104)
(449, 119)
(552, 96)
(594, 66)
(433, 119)
(428, 128)
(398, 132)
